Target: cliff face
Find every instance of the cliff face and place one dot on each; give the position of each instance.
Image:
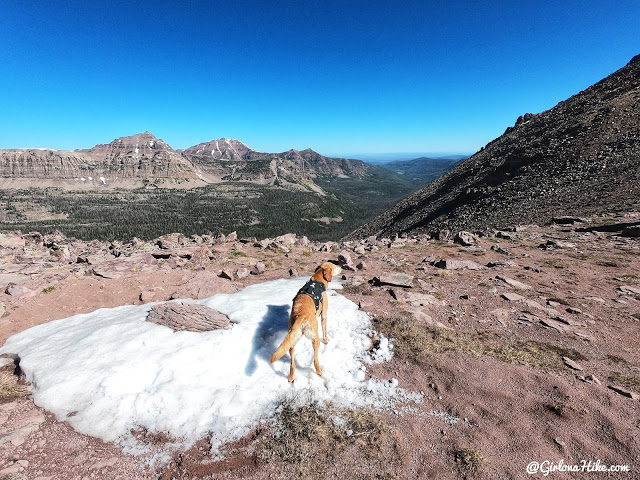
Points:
(143, 159)
(135, 160)
(581, 157)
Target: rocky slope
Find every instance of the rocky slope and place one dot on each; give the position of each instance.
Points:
(580, 157)
(143, 159)
(523, 343)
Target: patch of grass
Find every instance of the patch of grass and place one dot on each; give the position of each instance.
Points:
(560, 409)
(619, 361)
(10, 389)
(632, 278)
(416, 343)
(311, 436)
(557, 263)
(237, 253)
(362, 289)
(307, 252)
(441, 272)
(469, 459)
(629, 380)
(49, 289)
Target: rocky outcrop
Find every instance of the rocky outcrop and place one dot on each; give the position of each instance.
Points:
(581, 157)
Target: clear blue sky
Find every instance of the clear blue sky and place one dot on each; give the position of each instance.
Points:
(336, 76)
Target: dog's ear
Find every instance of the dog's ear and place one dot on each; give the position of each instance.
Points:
(327, 271)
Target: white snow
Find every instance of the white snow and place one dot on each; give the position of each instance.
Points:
(90, 178)
(103, 180)
(114, 371)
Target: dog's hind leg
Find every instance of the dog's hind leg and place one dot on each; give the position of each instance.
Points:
(292, 370)
(316, 347)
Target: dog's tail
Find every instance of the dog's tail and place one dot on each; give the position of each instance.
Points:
(289, 341)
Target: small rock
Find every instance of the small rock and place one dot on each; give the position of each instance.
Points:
(466, 239)
(258, 269)
(513, 283)
(559, 442)
(532, 269)
(226, 274)
(451, 264)
(592, 379)
(623, 391)
(16, 290)
(512, 296)
(501, 250)
(242, 272)
(571, 364)
(443, 235)
(293, 272)
(573, 310)
(361, 266)
(396, 279)
(8, 471)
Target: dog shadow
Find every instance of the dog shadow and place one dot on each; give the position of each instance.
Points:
(274, 324)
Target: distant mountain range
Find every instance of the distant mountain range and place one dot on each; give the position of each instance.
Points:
(144, 160)
(581, 157)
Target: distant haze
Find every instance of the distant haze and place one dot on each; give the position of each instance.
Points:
(393, 156)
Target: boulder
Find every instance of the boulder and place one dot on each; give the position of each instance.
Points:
(451, 264)
(258, 269)
(466, 239)
(189, 317)
(395, 279)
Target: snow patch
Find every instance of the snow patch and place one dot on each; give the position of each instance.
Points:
(119, 372)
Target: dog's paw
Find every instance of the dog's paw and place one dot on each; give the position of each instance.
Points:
(325, 340)
(291, 379)
(319, 372)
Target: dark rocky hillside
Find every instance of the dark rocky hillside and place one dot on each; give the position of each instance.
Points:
(581, 157)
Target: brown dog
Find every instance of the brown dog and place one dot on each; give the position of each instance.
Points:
(310, 301)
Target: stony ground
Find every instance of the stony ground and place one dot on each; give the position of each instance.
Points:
(524, 343)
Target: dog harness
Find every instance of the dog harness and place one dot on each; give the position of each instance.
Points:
(314, 290)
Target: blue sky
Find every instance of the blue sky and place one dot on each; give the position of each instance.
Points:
(336, 76)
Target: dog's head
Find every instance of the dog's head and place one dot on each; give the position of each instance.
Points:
(328, 270)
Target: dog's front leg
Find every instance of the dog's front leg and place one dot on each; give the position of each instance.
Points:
(316, 347)
(292, 370)
(323, 315)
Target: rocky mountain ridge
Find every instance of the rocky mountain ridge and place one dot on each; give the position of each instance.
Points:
(581, 157)
(142, 159)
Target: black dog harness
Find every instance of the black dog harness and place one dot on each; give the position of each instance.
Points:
(314, 290)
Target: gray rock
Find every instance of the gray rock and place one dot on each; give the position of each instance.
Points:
(189, 317)
(623, 391)
(466, 239)
(512, 296)
(226, 274)
(451, 264)
(513, 283)
(571, 364)
(396, 279)
(500, 250)
(242, 272)
(258, 269)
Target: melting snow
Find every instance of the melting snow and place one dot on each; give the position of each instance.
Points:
(115, 372)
